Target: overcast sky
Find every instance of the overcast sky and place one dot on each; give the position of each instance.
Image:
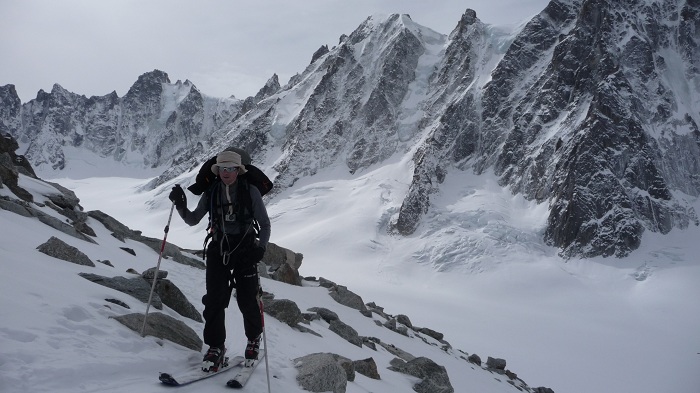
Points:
(224, 47)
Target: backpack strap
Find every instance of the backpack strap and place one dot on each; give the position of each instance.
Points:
(243, 202)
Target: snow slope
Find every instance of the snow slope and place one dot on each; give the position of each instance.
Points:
(604, 325)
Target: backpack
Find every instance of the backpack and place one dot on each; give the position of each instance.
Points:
(256, 177)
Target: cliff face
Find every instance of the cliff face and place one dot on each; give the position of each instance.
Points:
(591, 110)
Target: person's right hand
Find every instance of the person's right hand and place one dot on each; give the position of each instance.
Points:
(177, 195)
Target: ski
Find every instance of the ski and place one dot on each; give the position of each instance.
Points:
(189, 376)
(242, 377)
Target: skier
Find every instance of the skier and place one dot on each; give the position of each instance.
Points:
(232, 255)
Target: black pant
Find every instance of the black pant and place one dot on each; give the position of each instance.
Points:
(221, 278)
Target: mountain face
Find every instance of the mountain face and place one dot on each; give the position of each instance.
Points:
(591, 107)
(154, 122)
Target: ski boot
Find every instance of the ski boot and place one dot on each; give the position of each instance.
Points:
(251, 351)
(214, 359)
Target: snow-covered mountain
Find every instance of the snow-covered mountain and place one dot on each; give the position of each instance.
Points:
(590, 108)
(153, 123)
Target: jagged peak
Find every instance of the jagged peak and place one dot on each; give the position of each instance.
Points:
(8, 94)
(319, 53)
(386, 28)
(58, 89)
(271, 87)
(273, 81)
(150, 80)
(466, 23)
(9, 87)
(59, 92)
(155, 76)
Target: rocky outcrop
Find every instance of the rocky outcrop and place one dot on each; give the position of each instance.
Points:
(163, 326)
(10, 163)
(283, 310)
(56, 248)
(434, 378)
(324, 372)
(283, 264)
(344, 296)
(133, 286)
(173, 297)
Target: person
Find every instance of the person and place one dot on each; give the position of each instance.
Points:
(232, 254)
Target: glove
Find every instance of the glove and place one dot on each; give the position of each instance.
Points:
(177, 195)
(257, 253)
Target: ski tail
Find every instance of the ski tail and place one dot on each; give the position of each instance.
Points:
(239, 381)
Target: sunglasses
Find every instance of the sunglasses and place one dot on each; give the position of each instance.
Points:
(228, 169)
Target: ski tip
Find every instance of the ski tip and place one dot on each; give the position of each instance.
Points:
(234, 384)
(167, 379)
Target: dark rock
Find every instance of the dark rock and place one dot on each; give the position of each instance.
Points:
(367, 367)
(327, 315)
(172, 297)
(135, 286)
(403, 319)
(321, 372)
(56, 248)
(149, 273)
(432, 333)
(495, 363)
(163, 326)
(474, 358)
(345, 331)
(284, 310)
(434, 377)
(129, 250)
(346, 297)
(118, 302)
(542, 389)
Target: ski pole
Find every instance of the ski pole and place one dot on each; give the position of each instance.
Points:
(155, 276)
(262, 318)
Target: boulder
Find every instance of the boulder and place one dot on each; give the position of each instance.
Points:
(173, 297)
(495, 363)
(134, 286)
(326, 314)
(321, 372)
(56, 248)
(284, 310)
(367, 367)
(345, 331)
(342, 295)
(163, 326)
(434, 378)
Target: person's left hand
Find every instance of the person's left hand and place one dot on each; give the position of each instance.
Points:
(178, 197)
(257, 253)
